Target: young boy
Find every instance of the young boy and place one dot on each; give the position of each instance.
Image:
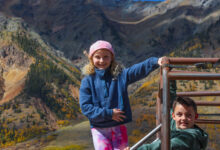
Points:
(185, 135)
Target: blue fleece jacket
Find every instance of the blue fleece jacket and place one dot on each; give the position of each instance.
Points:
(100, 93)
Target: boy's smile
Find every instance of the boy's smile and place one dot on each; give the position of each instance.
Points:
(184, 116)
(102, 59)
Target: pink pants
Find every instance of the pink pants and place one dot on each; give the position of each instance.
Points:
(113, 138)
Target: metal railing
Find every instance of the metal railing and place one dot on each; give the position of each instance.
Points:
(163, 99)
(139, 143)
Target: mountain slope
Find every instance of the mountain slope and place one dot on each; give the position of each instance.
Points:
(36, 85)
(136, 29)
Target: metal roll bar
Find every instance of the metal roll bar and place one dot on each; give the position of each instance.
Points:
(185, 75)
(163, 99)
(155, 130)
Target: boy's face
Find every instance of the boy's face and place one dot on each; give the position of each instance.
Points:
(102, 59)
(184, 116)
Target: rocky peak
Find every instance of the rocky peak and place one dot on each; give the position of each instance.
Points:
(204, 3)
(14, 62)
(10, 56)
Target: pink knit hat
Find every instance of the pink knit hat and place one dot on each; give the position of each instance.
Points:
(100, 45)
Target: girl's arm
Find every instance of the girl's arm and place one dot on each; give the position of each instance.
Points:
(141, 70)
(94, 113)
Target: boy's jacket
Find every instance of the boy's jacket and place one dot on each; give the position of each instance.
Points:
(187, 139)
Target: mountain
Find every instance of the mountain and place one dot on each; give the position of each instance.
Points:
(136, 29)
(42, 34)
(38, 86)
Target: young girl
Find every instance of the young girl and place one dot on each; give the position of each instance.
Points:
(104, 97)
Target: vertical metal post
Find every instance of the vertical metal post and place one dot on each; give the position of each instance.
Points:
(165, 141)
(158, 104)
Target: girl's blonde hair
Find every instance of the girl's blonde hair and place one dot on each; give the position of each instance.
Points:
(89, 69)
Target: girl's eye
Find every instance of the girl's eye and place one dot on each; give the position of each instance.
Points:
(97, 57)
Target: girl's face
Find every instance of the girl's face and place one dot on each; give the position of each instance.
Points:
(102, 59)
(184, 116)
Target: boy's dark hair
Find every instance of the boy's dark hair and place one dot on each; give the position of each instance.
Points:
(184, 101)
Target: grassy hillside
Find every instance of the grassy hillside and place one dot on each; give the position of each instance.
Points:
(40, 88)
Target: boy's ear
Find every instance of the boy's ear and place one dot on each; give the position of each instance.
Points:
(173, 115)
(196, 116)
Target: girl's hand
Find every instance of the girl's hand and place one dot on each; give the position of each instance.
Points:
(118, 115)
(160, 60)
(127, 148)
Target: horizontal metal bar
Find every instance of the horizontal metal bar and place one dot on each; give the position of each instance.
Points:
(210, 115)
(206, 121)
(154, 131)
(192, 60)
(198, 93)
(180, 75)
(203, 103)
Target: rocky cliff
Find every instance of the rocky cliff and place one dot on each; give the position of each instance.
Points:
(16, 65)
(14, 62)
